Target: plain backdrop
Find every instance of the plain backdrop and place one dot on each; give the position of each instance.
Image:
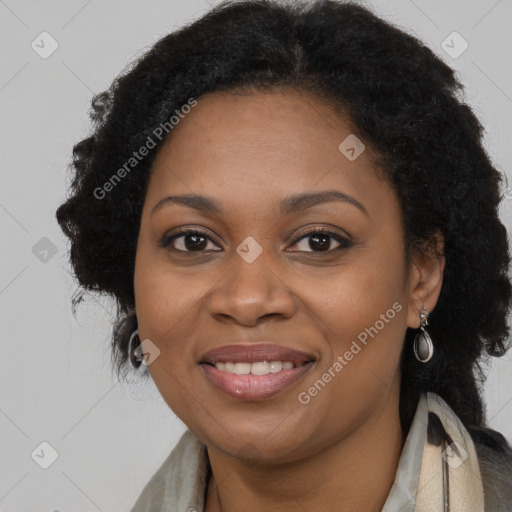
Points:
(105, 439)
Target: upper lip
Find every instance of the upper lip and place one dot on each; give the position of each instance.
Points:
(251, 353)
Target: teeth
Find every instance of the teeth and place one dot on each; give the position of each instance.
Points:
(243, 368)
(275, 366)
(260, 368)
(256, 368)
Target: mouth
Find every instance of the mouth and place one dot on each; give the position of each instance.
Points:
(255, 372)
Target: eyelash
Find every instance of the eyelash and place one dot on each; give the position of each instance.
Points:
(344, 242)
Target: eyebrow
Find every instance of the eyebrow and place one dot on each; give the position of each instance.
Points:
(290, 204)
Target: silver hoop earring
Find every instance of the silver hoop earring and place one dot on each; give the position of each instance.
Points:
(423, 346)
(135, 360)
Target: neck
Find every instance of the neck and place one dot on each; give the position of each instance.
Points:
(355, 473)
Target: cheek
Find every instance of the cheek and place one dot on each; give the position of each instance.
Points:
(362, 308)
(163, 292)
(166, 302)
(167, 307)
(354, 297)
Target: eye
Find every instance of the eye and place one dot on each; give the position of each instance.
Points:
(320, 240)
(188, 240)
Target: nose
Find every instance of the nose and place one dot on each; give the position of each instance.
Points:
(250, 292)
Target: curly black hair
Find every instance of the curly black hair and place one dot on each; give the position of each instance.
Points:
(406, 105)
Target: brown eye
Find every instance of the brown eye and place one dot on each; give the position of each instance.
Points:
(321, 241)
(188, 241)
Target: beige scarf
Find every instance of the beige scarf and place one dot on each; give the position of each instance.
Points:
(450, 477)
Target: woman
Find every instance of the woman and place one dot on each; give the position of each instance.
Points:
(299, 223)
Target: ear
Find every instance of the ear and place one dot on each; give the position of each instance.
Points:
(425, 278)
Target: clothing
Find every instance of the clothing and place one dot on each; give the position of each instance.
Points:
(443, 467)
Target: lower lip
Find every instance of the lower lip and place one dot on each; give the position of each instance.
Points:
(254, 387)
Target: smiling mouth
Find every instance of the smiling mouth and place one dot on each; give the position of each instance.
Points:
(256, 371)
(256, 381)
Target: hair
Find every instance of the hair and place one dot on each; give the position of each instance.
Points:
(405, 104)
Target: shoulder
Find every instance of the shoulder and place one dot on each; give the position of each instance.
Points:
(495, 460)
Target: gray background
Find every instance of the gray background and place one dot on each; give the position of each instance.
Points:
(56, 384)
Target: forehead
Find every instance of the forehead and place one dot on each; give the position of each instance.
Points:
(255, 148)
(284, 125)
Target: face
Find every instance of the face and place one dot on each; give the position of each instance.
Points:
(279, 313)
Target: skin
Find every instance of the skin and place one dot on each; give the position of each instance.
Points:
(248, 152)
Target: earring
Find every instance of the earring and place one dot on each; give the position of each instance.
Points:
(133, 354)
(423, 346)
